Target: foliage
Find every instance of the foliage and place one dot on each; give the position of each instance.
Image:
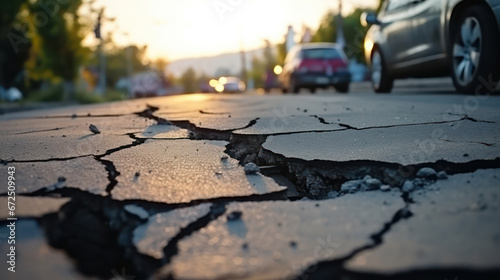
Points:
(14, 46)
(258, 72)
(8, 14)
(281, 48)
(188, 81)
(117, 60)
(91, 98)
(55, 93)
(354, 33)
(60, 36)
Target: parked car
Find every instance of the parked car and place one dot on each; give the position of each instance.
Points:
(434, 38)
(315, 65)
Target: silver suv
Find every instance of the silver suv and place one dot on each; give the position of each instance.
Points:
(435, 38)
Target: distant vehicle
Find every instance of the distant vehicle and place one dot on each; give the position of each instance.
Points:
(315, 65)
(149, 84)
(228, 85)
(434, 38)
(10, 95)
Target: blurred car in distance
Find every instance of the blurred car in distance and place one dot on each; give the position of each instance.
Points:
(315, 65)
(435, 38)
(149, 84)
(228, 85)
(10, 95)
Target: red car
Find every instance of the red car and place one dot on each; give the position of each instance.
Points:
(315, 65)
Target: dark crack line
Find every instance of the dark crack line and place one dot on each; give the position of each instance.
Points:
(398, 125)
(112, 174)
(274, 196)
(149, 114)
(163, 139)
(138, 141)
(79, 116)
(469, 118)
(212, 113)
(470, 142)
(328, 268)
(347, 126)
(321, 120)
(172, 249)
(45, 160)
(110, 167)
(38, 131)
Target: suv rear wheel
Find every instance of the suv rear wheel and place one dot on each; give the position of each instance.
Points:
(474, 50)
(381, 81)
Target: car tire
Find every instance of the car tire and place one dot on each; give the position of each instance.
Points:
(313, 90)
(343, 88)
(284, 90)
(474, 49)
(381, 81)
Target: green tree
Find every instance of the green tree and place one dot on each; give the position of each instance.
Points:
(60, 34)
(189, 81)
(258, 72)
(281, 48)
(117, 60)
(354, 33)
(14, 44)
(327, 31)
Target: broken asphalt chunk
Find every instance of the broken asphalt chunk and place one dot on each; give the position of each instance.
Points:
(152, 238)
(427, 173)
(181, 175)
(94, 129)
(408, 186)
(85, 174)
(251, 169)
(280, 250)
(453, 225)
(397, 145)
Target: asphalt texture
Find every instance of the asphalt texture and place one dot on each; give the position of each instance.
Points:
(256, 186)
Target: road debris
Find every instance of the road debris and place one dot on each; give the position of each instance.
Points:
(251, 168)
(94, 129)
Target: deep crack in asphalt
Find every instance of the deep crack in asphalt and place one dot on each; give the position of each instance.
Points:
(313, 179)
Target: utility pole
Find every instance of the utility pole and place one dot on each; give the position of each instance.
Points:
(130, 65)
(340, 27)
(101, 88)
(243, 64)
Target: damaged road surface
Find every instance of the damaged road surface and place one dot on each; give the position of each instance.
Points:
(255, 187)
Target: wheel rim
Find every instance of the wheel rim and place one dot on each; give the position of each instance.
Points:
(467, 51)
(376, 69)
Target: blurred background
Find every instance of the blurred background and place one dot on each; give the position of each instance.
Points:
(69, 51)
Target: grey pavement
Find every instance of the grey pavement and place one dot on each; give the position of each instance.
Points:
(165, 188)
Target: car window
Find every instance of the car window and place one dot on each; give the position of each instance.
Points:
(323, 53)
(396, 5)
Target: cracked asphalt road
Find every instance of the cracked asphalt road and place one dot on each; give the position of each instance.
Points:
(161, 192)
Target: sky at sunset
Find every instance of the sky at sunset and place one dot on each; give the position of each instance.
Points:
(193, 28)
